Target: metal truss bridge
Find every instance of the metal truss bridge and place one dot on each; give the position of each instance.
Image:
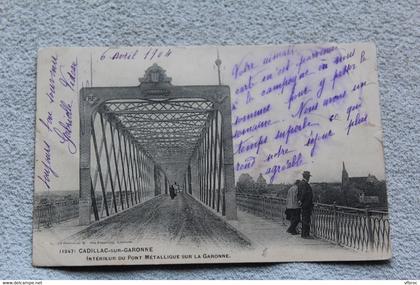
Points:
(137, 141)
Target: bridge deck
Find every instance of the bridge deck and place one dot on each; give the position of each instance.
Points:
(179, 222)
(185, 222)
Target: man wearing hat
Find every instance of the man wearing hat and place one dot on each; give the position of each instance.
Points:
(305, 197)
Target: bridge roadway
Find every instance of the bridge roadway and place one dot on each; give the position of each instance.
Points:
(186, 223)
(179, 222)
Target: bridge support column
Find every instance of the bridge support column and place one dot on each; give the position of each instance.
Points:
(189, 180)
(229, 193)
(166, 185)
(156, 179)
(85, 199)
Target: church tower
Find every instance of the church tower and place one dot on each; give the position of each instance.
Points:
(345, 184)
(344, 176)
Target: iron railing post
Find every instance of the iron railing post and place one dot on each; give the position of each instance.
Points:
(336, 226)
(314, 220)
(369, 230)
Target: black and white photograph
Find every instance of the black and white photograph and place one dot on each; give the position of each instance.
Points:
(209, 154)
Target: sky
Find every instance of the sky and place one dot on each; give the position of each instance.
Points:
(258, 76)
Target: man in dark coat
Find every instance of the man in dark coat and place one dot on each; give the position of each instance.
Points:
(305, 197)
(172, 192)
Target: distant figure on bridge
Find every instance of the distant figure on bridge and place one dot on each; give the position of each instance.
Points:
(293, 208)
(305, 198)
(172, 192)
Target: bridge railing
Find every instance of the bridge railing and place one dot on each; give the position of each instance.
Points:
(48, 213)
(268, 207)
(360, 229)
(54, 211)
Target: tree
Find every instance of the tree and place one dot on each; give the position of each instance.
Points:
(245, 183)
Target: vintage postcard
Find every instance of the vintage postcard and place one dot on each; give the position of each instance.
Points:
(212, 154)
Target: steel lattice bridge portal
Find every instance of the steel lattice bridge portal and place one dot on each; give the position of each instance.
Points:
(136, 141)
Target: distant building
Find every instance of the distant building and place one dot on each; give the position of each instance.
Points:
(261, 180)
(356, 189)
(368, 199)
